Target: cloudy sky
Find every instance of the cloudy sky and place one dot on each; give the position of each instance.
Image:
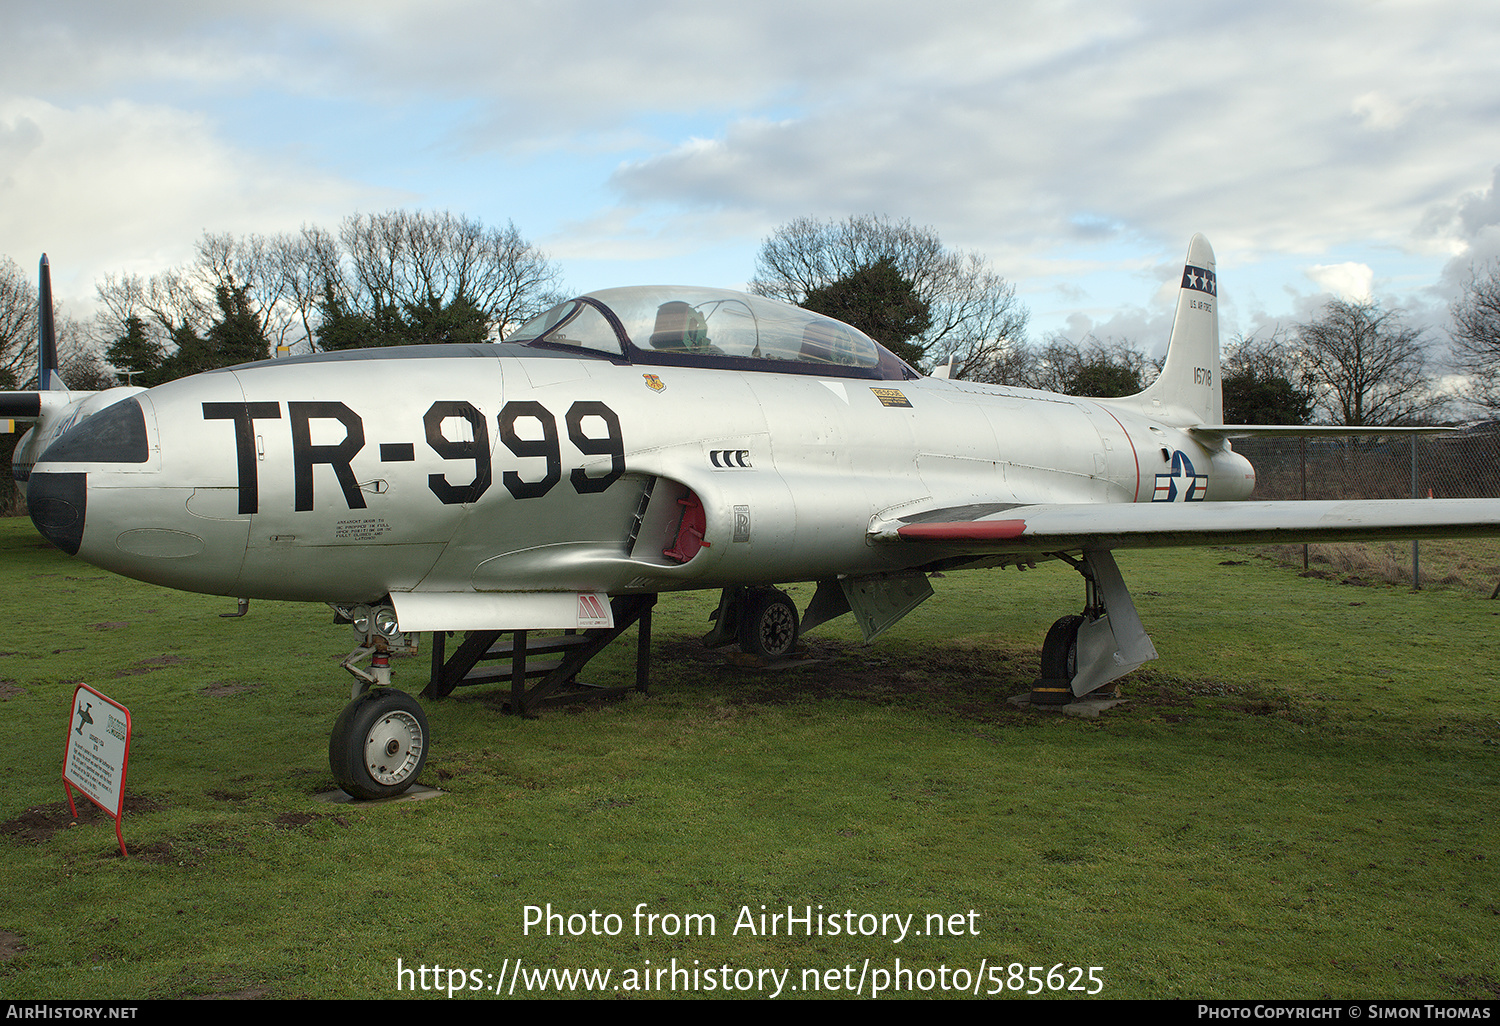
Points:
(1323, 147)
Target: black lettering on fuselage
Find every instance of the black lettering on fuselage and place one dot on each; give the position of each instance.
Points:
(583, 432)
(305, 455)
(612, 445)
(476, 449)
(545, 447)
(244, 416)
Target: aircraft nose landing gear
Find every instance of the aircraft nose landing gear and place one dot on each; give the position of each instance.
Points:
(379, 742)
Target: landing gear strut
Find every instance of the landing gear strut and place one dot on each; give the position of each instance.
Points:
(379, 742)
(1082, 653)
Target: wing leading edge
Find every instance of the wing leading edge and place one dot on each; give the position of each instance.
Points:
(1006, 528)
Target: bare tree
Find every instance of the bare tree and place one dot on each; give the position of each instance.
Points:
(80, 361)
(1476, 337)
(252, 266)
(164, 304)
(17, 325)
(402, 259)
(1367, 367)
(305, 264)
(401, 269)
(1092, 368)
(1014, 363)
(973, 311)
(1263, 382)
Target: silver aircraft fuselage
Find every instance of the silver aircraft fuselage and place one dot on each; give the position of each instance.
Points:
(345, 477)
(659, 438)
(650, 439)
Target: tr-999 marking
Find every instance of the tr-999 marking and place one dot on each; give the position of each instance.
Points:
(514, 423)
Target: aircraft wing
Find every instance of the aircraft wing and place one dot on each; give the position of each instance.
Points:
(1215, 431)
(1054, 527)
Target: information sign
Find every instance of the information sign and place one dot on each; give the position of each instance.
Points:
(97, 752)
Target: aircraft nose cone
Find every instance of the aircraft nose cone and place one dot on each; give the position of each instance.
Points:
(57, 503)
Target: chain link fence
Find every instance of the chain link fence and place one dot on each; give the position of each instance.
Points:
(1464, 464)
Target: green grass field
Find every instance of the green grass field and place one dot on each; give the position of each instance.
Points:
(1298, 800)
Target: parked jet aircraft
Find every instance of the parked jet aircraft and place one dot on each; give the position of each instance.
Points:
(640, 440)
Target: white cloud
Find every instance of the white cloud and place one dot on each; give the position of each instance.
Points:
(1379, 111)
(1042, 133)
(1351, 281)
(127, 187)
(1244, 129)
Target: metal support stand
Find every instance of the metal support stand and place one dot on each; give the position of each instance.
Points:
(527, 657)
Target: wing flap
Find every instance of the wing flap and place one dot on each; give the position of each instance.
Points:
(1067, 527)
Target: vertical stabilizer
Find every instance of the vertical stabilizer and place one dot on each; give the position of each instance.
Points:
(51, 409)
(1187, 392)
(47, 377)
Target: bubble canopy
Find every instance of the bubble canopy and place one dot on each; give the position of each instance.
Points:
(699, 327)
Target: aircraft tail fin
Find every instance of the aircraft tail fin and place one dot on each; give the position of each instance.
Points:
(1188, 392)
(18, 409)
(47, 377)
(50, 409)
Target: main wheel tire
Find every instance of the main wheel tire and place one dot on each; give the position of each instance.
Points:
(768, 624)
(1060, 650)
(379, 744)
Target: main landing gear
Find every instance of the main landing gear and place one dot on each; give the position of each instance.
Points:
(1060, 650)
(763, 621)
(1084, 652)
(379, 742)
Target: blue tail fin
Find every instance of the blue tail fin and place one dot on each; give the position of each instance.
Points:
(47, 377)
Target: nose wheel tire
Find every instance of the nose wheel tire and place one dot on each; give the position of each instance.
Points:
(768, 624)
(379, 744)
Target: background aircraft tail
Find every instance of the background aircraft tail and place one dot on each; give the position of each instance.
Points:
(50, 408)
(47, 377)
(1187, 393)
(18, 408)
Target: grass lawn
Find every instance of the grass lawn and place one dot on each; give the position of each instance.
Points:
(1298, 801)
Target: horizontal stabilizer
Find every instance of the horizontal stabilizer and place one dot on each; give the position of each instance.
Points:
(1311, 430)
(29, 407)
